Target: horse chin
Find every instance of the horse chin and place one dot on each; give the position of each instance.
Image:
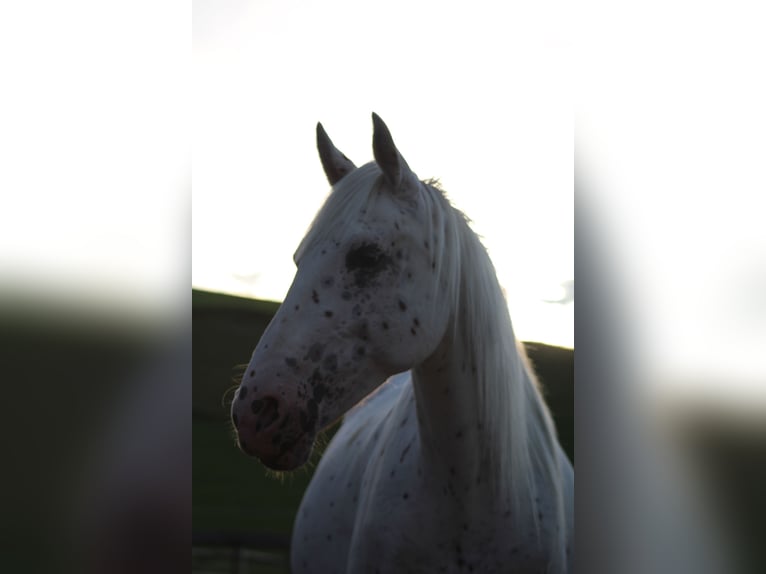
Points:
(291, 459)
(286, 462)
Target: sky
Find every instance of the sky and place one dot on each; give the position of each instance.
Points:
(475, 98)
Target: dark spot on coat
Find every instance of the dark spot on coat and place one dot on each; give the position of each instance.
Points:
(360, 351)
(328, 282)
(357, 311)
(405, 496)
(315, 352)
(346, 295)
(291, 362)
(328, 313)
(252, 373)
(362, 331)
(412, 330)
(315, 296)
(402, 305)
(319, 391)
(330, 362)
(242, 392)
(416, 322)
(297, 307)
(404, 452)
(385, 325)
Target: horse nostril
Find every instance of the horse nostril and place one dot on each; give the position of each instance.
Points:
(267, 410)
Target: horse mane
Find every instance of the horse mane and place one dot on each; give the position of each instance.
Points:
(517, 434)
(519, 438)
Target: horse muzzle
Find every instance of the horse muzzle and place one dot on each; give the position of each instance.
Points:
(271, 431)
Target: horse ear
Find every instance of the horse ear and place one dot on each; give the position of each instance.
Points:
(388, 158)
(336, 165)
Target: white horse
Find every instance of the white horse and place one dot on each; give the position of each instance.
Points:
(453, 464)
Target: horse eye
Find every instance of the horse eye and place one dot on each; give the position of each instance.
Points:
(365, 256)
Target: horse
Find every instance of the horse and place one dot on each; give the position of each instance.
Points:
(447, 458)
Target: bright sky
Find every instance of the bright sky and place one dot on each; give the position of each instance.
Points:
(670, 153)
(476, 98)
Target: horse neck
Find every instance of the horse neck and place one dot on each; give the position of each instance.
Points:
(447, 404)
